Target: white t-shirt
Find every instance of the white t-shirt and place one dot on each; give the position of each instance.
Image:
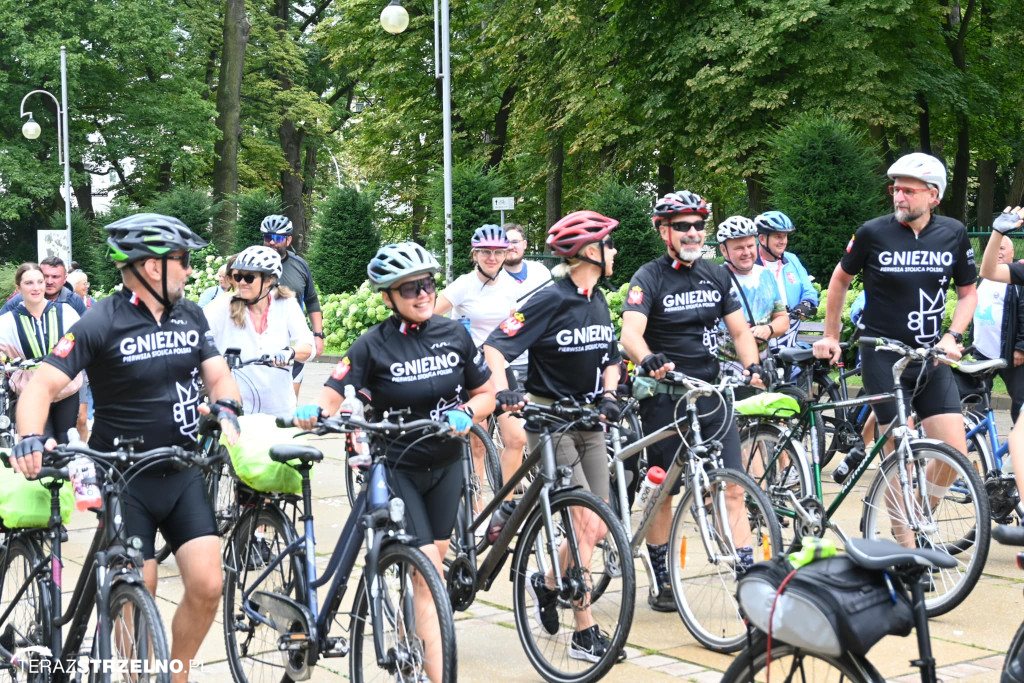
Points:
(536, 275)
(988, 318)
(263, 389)
(486, 306)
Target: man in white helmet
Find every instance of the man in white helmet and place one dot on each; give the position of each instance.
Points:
(909, 259)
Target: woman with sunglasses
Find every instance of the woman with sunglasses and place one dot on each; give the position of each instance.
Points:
(573, 354)
(481, 299)
(262, 318)
(428, 364)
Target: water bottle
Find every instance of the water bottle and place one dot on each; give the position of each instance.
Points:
(655, 476)
(849, 464)
(83, 480)
(465, 321)
(498, 519)
(360, 449)
(377, 490)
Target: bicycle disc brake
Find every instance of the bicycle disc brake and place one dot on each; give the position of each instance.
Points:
(461, 583)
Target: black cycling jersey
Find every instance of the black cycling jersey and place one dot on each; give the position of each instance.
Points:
(570, 338)
(295, 275)
(683, 306)
(145, 374)
(906, 276)
(1016, 273)
(429, 369)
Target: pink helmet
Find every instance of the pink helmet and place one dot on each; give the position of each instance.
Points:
(578, 229)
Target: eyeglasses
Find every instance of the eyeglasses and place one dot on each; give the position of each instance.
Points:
(276, 239)
(516, 243)
(908, 192)
(684, 226)
(608, 242)
(496, 253)
(248, 277)
(411, 290)
(184, 259)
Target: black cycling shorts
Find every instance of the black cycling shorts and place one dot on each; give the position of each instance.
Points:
(432, 497)
(174, 502)
(659, 410)
(937, 393)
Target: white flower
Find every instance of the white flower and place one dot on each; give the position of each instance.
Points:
(209, 258)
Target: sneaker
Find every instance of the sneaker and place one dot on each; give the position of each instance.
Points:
(792, 479)
(259, 554)
(746, 561)
(545, 603)
(591, 645)
(664, 600)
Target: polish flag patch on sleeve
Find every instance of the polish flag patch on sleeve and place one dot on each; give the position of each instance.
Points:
(635, 296)
(341, 369)
(849, 244)
(64, 346)
(512, 324)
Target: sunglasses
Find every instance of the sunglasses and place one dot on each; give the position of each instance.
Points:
(411, 290)
(276, 239)
(608, 242)
(185, 259)
(248, 277)
(684, 226)
(908, 192)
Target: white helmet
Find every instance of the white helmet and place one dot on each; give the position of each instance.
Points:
(922, 166)
(259, 259)
(276, 225)
(733, 227)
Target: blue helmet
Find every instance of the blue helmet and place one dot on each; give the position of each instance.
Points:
(397, 261)
(773, 221)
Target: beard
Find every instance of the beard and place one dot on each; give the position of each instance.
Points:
(689, 251)
(908, 215)
(513, 259)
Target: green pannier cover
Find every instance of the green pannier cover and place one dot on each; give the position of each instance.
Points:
(250, 457)
(25, 503)
(768, 404)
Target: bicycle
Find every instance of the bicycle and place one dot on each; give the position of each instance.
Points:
(275, 626)
(952, 517)
(1013, 665)
(703, 578)
(550, 519)
(903, 569)
(110, 585)
(9, 400)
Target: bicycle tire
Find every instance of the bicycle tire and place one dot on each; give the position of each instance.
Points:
(492, 457)
(713, 616)
(797, 666)
(361, 625)
(1004, 499)
(353, 483)
(611, 610)
(964, 497)
(30, 623)
(144, 618)
(760, 444)
(260, 535)
(832, 420)
(1011, 672)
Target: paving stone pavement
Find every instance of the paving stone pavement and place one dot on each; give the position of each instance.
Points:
(969, 643)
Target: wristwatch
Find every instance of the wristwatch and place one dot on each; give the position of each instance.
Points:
(958, 337)
(318, 334)
(468, 411)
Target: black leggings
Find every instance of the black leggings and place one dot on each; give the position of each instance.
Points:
(63, 416)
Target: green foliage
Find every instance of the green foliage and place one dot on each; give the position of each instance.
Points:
(635, 238)
(472, 190)
(7, 279)
(191, 206)
(615, 299)
(253, 207)
(344, 242)
(349, 314)
(105, 274)
(824, 176)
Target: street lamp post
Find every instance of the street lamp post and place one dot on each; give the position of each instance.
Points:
(395, 19)
(31, 130)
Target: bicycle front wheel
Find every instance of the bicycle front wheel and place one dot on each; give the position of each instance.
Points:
(417, 630)
(797, 666)
(137, 639)
(29, 623)
(1013, 665)
(951, 514)
(779, 468)
(703, 557)
(576, 634)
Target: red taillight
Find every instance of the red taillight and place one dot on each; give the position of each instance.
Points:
(1020, 561)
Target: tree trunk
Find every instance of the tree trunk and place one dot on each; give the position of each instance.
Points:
(961, 170)
(924, 127)
(418, 214)
(291, 181)
(501, 128)
(756, 195)
(229, 99)
(83, 192)
(553, 195)
(1016, 195)
(309, 166)
(986, 192)
(666, 179)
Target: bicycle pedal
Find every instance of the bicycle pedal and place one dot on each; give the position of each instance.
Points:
(293, 641)
(336, 647)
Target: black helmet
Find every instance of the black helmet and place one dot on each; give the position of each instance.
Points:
(149, 235)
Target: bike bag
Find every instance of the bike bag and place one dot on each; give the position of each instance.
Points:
(26, 504)
(830, 606)
(250, 457)
(768, 404)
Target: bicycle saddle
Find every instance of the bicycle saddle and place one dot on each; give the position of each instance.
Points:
(879, 554)
(1008, 535)
(980, 367)
(792, 354)
(286, 452)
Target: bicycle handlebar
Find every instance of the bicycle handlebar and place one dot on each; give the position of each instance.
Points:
(344, 425)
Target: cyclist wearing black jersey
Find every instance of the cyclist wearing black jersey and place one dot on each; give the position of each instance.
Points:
(426, 363)
(909, 258)
(146, 347)
(670, 321)
(573, 354)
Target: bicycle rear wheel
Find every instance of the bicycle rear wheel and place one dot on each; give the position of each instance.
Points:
(29, 623)
(705, 586)
(957, 508)
(1013, 665)
(260, 535)
(407, 633)
(575, 635)
(797, 666)
(137, 638)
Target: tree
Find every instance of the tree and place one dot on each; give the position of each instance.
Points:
(824, 176)
(253, 207)
(192, 207)
(472, 190)
(635, 237)
(344, 241)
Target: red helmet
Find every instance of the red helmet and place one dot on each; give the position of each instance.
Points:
(578, 229)
(679, 204)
